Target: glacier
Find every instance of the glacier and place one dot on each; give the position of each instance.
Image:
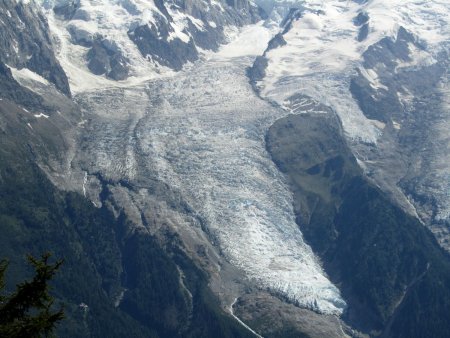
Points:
(202, 132)
(183, 152)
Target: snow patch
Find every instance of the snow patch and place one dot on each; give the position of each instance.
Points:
(112, 20)
(249, 40)
(322, 52)
(41, 115)
(26, 74)
(419, 58)
(84, 183)
(372, 77)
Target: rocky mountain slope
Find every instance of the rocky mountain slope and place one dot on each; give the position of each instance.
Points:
(189, 201)
(386, 76)
(125, 39)
(386, 263)
(117, 280)
(26, 43)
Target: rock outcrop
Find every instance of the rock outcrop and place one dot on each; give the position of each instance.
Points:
(25, 42)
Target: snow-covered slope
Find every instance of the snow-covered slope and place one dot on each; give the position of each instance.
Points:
(101, 42)
(323, 52)
(199, 131)
(186, 153)
(202, 132)
(383, 67)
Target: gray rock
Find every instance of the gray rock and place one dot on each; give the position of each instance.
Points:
(107, 61)
(11, 90)
(382, 103)
(363, 32)
(25, 42)
(81, 14)
(361, 19)
(67, 10)
(258, 70)
(409, 97)
(156, 41)
(171, 53)
(293, 15)
(275, 42)
(390, 51)
(79, 36)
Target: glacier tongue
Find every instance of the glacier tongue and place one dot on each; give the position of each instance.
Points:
(202, 132)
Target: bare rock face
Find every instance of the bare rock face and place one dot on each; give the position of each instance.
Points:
(362, 21)
(25, 42)
(406, 87)
(173, 54)
(358, 231)
(102, 59)
(383, 58)
(173, 43)
(67, 10)
(159, 33)
(10, 89)
(395, 88)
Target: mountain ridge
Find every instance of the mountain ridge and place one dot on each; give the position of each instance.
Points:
(159, 173)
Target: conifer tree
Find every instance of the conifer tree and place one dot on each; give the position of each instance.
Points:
(29, 312)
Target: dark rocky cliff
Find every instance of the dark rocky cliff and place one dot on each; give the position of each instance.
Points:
(25, 42)
(393, 274)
